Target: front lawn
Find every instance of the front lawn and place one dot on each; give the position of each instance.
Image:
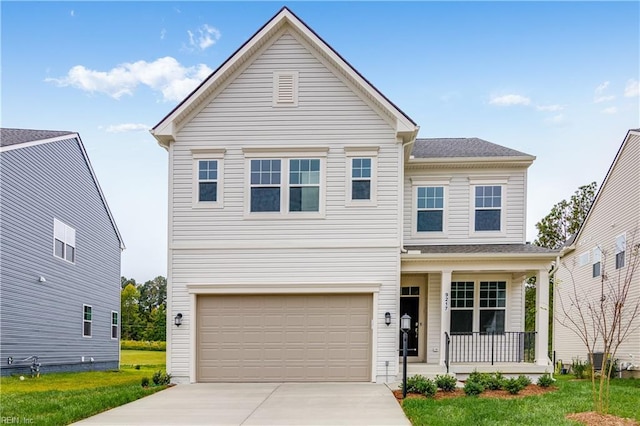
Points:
(549, 409)
(63, 398)
(130, 357)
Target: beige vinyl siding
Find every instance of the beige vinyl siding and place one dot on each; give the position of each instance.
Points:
(616, 211)
(458, 207)
(434, 312)
(227, 246)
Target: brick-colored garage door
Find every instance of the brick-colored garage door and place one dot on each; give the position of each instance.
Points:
(295, 338)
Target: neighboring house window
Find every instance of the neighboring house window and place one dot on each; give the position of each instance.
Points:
(583, 259)
(596, 266)
(114, 325)
(207, 180)
(64, 241)
(361, 178)
(285, 88)
(488, 207)
(621, 247)
(208, 173)
(87, 320)
(462, 296)
(430, 204)
(493, 302)
(304, 185)
(265, 185)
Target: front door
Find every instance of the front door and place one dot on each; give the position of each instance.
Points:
(410, 305)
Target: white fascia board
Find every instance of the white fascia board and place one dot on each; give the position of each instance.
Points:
(525, 160)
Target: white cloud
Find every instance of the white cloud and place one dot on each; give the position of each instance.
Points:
(508, 100)
(632, 89)
(163, 33)
(205, 36)
(550, 108)
(126, 127)
(72, 13)
(557, 120)
(165, 75)
(610, 110)
(599, 95)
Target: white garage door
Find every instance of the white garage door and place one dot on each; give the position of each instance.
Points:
(296, 338)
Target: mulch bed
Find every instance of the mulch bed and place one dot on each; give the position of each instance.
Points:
(591, 418)
(500, 394)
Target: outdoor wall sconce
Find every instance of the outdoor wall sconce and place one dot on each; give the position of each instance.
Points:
(387, 318)
(178, 320)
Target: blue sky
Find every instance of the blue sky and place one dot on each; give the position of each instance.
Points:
(556, 80)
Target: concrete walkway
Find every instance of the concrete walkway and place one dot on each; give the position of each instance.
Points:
(260, 404)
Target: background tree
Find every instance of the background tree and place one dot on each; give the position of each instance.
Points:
(129, 308)
(144, 309)
(124, 281)
(562, 222)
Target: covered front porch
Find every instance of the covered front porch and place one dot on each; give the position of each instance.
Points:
(467, 305)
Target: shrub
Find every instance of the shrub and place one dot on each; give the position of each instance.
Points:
(145, 382)
(524, 380)
(422, 385)
(446, 382)
(472, 388)
(143, 345)
(513, 385)
(545, 380)
(137, 367)
(161, 378)
(494, 381)
(579, 368)
(482, 378)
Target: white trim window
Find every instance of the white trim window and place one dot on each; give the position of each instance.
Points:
(583, 259)
(492, 306)
(64, 241)
(462, 301)
(266, 177)
(87, 320)
(488, 208)
(362, 174)
(114, 324)
(208, 172)
(430, 209)
(596, 265)
(621, 247)
(304, 185)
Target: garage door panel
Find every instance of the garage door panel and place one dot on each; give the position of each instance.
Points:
(284, 338)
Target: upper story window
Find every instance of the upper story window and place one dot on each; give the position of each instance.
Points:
(621, 247)
(430, 203)
(596, 266)
(488, 208)
(361, 189)
(282, 185)
(87, 320)
(208, 175)
(304, 185)
(265, 185)
(64, 241)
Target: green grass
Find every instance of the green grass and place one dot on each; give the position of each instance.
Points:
(128, 357)
(547, 409)
(63, 398)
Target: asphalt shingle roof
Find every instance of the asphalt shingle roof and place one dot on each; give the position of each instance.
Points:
(461, 147)
(18, 136)
(482, 248)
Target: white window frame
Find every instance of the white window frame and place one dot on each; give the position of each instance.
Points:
(368, 152)
(208, 155)
(477, 279)
(597, 259)
(277, 75)
(67, 235)
(484, 181)
(284, 154)
(620, 247)
(584, 258)
(116, 325)
(90, 321)
(425, 182)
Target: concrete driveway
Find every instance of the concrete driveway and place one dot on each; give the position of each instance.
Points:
(260, 404)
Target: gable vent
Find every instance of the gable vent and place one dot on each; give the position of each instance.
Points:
(285, 88)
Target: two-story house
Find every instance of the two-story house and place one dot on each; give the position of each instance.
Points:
(59, 257)
(305, 218)
(601, 263)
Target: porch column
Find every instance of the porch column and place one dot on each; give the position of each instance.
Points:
(542, 317)
(445, 307)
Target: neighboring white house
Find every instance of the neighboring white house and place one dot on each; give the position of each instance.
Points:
(305, 218)
(603, 248)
